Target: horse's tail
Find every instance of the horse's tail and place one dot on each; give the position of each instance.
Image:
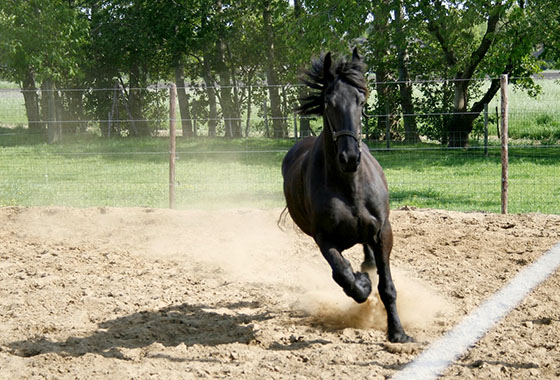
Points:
(281, 223)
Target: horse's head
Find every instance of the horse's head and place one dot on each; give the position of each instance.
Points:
(340, 102)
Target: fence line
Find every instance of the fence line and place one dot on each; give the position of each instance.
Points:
(218, 86)
(436, 178)
(428, 174)
(451, 179)
(245, 119)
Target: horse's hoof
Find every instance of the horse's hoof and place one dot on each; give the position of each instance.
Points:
(400, 338)
(362, 287)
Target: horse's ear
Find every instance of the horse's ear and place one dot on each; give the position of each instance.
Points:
(355, 56)
(327, 63)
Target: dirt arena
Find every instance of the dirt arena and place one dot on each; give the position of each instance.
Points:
(143, 293)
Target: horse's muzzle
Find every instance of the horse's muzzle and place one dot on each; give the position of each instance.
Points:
(349, 162)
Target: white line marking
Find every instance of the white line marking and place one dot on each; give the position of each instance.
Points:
(442, 353)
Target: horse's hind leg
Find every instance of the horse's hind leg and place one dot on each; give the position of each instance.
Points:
(382, 251)
(368, 265)
(356, 285)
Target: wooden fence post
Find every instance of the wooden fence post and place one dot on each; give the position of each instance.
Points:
(505, 152)
(172, 145)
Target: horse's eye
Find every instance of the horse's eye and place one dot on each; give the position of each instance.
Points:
(361, 99)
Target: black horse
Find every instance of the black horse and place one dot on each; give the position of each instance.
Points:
(336, 191)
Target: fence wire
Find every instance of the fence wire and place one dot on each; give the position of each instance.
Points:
(95, 163)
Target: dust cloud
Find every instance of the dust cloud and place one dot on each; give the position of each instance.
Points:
(248, 246)
(417, 304)
(242, 245)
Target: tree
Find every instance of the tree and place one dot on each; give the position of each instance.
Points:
(401, 32)
(381, 30)
(52, 59)
(268, 24)
(127, 48)
(504, 46)
(174, 24)
(547, 14)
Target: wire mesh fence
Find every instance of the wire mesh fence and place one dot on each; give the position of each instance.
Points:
(96, 162)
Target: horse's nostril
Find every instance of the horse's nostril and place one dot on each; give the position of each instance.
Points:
(343, 158)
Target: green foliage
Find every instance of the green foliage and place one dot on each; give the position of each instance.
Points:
(48, 38)
(95, 43)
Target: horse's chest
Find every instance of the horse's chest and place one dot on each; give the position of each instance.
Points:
(346, 221)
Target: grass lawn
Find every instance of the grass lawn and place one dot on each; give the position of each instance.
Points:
(534, 118)
(90, 172)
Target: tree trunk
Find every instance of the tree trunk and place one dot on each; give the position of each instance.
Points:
(54, 132)
(62, 116)
(278, 125)
(211, 93)
(75, 110)
(231, 120)
(34, 122)
(460, 124)
(405, 88)
(249, 105)
(227, 105)
(305, 127)
(381, 51)
(135, 100)
(381, 77)
(304, 122)
(236, 107)
(186, 119)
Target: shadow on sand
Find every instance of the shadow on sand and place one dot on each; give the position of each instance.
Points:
(170, 326)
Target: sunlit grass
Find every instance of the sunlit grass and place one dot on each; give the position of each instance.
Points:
(90, 172)
(12, 106)
(535, 118)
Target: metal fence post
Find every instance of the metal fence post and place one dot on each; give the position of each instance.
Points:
(387, 124)
(172, 144)
(265, 113)
(295, 127)
(486, 129)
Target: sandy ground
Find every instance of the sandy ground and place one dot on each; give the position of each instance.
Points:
(143, 293)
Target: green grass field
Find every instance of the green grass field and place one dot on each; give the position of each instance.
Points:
(532, 118)
(90, 172)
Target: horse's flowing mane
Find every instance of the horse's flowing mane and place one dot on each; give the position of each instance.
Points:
(318, 78)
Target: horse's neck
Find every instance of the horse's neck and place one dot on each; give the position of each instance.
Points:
(328, 148)
(346, 182)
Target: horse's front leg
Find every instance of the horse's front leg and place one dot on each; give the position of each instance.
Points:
(382, 251)
(355, 284)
